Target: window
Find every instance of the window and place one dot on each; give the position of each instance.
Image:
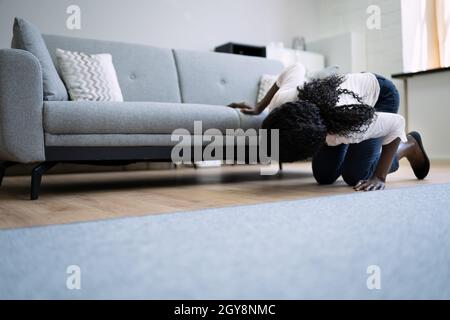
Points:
(426, 34)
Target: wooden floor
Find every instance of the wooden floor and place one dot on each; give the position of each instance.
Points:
(67, 198)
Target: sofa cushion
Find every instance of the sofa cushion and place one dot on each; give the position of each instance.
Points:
(145, 73)
(89, 117)
(251, 121)
(27, 37)
(117, 140)
(221, 78)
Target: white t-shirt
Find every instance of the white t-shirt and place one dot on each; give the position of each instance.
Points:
(387, 125)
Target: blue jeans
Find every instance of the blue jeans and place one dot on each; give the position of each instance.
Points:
(357, 162)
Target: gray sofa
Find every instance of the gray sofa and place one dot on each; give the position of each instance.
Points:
(164, 90)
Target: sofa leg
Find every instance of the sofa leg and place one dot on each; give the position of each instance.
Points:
(280, 166)
(36, 177)
(3, 167)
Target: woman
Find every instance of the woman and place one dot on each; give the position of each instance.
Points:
(347, 124)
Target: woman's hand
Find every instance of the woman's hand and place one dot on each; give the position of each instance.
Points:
(245, 108)
(377, 182)
(373, 184)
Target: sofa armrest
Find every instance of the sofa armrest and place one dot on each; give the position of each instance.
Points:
(21, 104)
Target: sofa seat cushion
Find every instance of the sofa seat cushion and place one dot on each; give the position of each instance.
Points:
(82, 117)
(120, 140)
(251, 121)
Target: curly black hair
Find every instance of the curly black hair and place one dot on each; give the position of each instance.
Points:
(301, 130)
(304, 124)
(343, 120)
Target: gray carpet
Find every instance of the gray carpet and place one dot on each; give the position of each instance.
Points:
(317, 248)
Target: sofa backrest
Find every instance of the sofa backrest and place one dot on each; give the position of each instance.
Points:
(145, 73)
(221, 78)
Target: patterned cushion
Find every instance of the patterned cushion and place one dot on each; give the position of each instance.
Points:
(89, 77)
(266, 82)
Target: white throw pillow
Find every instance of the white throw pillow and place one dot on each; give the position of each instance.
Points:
(90, 77)
(266, 82)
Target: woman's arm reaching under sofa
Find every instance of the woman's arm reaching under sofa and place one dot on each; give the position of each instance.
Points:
(260, 106)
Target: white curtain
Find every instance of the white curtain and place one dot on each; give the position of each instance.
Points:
(426, 34)
(443, 30)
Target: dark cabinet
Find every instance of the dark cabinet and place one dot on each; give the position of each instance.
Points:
(244, 49)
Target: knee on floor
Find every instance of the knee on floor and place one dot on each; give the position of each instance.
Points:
(325, 179)
(352, 179)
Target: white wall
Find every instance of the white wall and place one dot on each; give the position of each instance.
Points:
(429, 111)
(347, 50)
(383, 47)
(191, 24)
